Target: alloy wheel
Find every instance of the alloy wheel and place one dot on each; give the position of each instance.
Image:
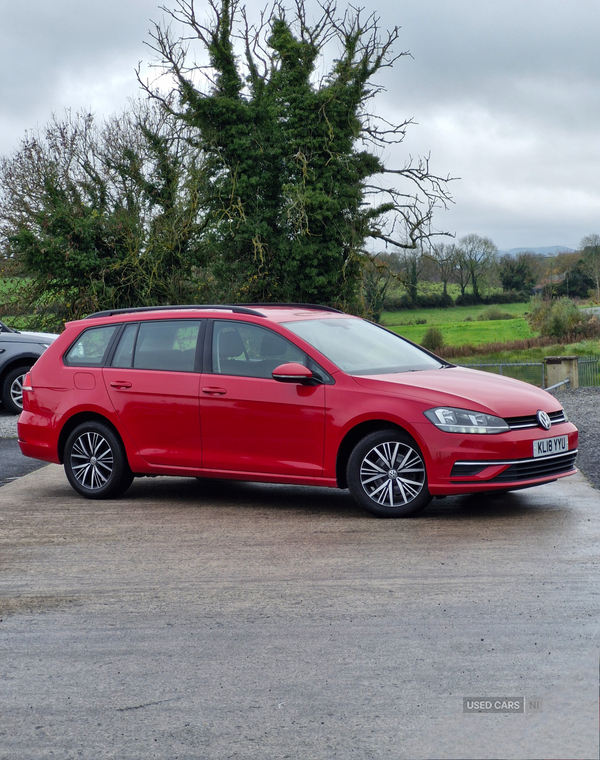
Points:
(16, 391)
(392, 474)
(92, 460)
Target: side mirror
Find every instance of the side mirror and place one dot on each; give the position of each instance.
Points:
(292, 372)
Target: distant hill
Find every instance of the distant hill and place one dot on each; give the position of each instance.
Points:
(550, 250)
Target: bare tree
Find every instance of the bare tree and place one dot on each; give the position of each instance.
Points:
(476, 256)
(445, 256)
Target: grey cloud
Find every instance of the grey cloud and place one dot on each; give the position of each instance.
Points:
(43, 43)
(505, 94)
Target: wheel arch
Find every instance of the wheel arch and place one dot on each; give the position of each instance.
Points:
(77, 419)
(352, 437)
(28, 360)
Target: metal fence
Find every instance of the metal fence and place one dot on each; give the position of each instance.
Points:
(589, 371)
(535, 372)
(529, 372)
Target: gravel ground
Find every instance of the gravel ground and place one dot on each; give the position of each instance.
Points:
(8, 425)
(582, 406)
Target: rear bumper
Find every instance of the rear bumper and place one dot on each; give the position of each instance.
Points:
(37, 438)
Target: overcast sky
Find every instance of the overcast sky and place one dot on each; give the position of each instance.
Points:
(505, 93)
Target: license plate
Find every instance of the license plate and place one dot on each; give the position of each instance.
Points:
(548, 446)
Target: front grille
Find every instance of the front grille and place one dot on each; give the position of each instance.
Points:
(530, 421)
(541, 467)
(517, 469)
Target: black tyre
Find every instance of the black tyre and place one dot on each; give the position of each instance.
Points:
(12, 390)
(386, 475)
(95, 462)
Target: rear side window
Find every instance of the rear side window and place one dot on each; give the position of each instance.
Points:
(163, 345)
(90, 348)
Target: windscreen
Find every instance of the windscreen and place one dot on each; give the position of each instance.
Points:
(362, 348)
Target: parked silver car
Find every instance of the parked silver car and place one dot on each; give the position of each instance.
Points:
(18, 353)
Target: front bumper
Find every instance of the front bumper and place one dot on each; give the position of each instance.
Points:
(470, 463)
(515, 470)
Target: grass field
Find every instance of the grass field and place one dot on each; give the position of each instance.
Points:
(7, 286)
(459, 325)
(475, 333)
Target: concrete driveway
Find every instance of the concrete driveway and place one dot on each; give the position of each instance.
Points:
(230, 620)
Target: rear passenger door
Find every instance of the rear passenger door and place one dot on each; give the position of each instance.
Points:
(153, 382)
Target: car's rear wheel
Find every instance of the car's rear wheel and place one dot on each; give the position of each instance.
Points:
(95, 462)
(12, 390)
(386, 475)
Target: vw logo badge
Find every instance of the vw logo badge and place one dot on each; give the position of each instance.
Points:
(543, 420)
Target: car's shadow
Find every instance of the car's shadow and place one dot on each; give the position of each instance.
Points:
(313, 500)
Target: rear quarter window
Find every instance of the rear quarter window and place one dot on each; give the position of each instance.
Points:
(89, 350)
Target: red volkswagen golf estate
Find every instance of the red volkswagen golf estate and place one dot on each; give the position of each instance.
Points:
(283, 394)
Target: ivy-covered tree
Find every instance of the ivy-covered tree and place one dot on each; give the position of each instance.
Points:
(411, 264)
(297, 183)
(100, 216)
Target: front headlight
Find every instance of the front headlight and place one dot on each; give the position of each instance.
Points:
(452, 420)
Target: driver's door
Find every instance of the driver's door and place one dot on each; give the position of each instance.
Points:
(251, 422)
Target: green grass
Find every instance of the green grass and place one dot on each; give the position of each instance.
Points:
(7, 286)
(458, 332)
(475, 333)
(447, 316)
(459, 325)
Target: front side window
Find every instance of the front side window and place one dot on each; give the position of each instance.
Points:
(362, 348)
(161, 344)
(247, 350)
(90, 348)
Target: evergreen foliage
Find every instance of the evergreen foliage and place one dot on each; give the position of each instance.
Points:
(262, 182)
(516, 273)
(291, 202)
(591, 261)
(100, 217)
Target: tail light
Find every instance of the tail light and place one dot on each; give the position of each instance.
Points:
(27, 382)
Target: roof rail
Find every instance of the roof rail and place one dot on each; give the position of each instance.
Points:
(295, 306)
(209, 307)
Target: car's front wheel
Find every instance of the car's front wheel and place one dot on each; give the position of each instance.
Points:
(386, 475)
(12, 391)
(95, 462)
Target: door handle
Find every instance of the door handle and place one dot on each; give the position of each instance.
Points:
(214, 391)
(120, 384)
